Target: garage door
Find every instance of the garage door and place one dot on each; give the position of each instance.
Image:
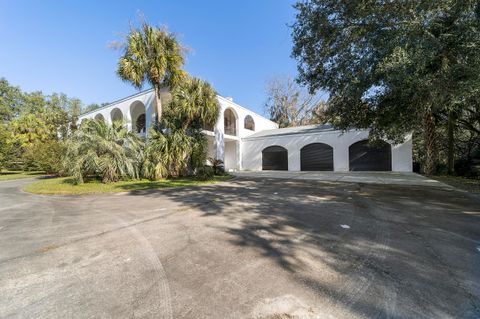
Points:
(316, 157)
(363, 157)
(275, 158)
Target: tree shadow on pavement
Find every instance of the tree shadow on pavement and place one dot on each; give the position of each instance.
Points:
(367, 250)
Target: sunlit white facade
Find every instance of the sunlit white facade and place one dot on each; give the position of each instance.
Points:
(245, 140)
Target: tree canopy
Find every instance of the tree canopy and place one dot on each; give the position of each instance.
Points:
(32, 124)
(290, 104)
(391, 66)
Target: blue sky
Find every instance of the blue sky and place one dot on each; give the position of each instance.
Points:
(62, 46)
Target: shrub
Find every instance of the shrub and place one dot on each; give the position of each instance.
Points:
(204, 173)
(217, 165)
(166, 154)
(5, 147)
(108, 152)
(44, 156)
(173, 153)
(467, 168)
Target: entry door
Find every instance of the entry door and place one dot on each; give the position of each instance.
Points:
(275, 158)
(316, 157)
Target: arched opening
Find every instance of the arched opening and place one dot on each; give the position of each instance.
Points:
(99, 117)
(116, 115)
(275, 158)
(137, 114)
(248, 123)
(140, 123)
(365, 157)
(316, 157)
(230, 122)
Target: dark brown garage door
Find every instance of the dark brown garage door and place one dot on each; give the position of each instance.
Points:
(363, 157)
(275, 158)
(316, 157)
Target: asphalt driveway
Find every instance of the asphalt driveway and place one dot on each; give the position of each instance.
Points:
(247, 248)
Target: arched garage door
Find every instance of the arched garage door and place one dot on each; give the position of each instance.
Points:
(275, 158)
(363, 157)
(316, 157)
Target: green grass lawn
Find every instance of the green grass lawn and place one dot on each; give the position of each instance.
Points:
(10, 175)
(65, 185)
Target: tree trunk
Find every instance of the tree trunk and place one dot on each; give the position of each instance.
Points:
(451, 128)
(158, 103)
(430, 142)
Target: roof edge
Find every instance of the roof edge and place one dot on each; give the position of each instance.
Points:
(243, 107)
(326, 131)
(151, 89)
(119, 101)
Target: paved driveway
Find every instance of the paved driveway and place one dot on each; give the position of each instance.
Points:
(248, 248)
(388, 178)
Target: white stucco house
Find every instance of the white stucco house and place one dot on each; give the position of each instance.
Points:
(245, 140)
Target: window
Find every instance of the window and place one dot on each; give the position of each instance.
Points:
(249, 124)
(230, 122)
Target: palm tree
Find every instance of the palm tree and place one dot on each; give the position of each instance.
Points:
(154, 56)
(194, 104)
(107, 151)
(167, 154)
(180, 147)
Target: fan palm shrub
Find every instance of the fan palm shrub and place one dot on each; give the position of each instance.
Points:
(166, 154)
(217, 165)
(109, 152)
(177, 147)
(194, 105)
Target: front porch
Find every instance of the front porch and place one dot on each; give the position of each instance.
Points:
(225, 148)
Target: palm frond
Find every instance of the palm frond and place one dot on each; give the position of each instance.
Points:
(101, 150)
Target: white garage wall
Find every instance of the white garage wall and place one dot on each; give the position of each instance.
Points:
(402, 156)
(252, 149)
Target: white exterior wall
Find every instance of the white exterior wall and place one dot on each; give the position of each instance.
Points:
(233, 162)
(147, 98)
(231, 155)
(243, 153)
(234, 149)
(261, 123)
(252, 149)
(402, 156)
